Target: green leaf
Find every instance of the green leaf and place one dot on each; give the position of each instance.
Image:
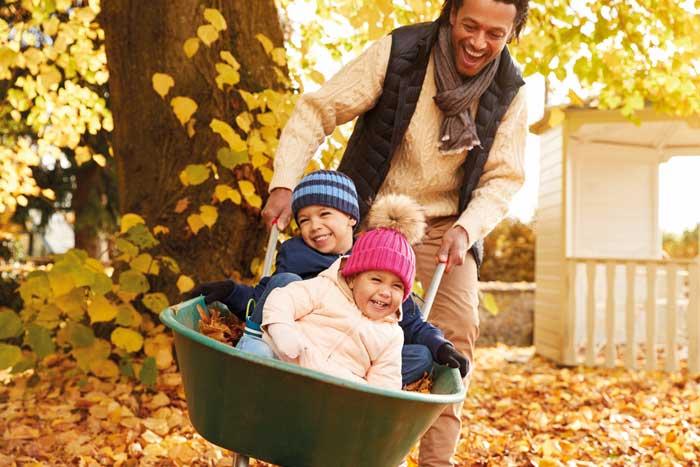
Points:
(126, 368)
(140, 236)
(127, 249)
(73, 303)
(10, 324)
(194, 174)
(148, 372)
(230, 159)
(146, 264)
(27, 362)
(156, 302)
(80, 335)
(102, 285)
(133, 281)
(11, 354)
(39, 339)
(124, 315)
(35, 288)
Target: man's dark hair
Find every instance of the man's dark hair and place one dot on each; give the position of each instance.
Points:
(521, 10)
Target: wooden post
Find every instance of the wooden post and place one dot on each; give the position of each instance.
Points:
(570, 357)
(590, 313)
(694, 318)
(610, 314)
(671, 317)
(630, 338)
(651, 317)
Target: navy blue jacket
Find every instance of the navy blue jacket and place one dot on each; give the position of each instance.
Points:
(297, 257)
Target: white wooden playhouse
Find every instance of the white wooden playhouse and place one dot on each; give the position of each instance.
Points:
(605, 293)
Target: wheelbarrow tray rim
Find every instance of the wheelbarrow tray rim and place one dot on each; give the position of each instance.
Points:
(167, 316)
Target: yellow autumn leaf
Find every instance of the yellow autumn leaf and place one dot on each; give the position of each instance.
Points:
(226, 75)
(267, 118)
(248, 191)
(184, 283)
(195, 222)
(162, 83)
(231, 137)
(145, 263)
(160, 229)
(279, 56)
(266, 173)
(265, 41)
(183, 107)
(556, 116)
(104, 368)
(101, 310)
(127, 339)
(209, 214)
(253, 101)
(258, 160)
(230, 59)
(695, 408)
(208, 34)
(216, 19)
(224, 192)
(244, 120)
(191, 46)
(129, 220)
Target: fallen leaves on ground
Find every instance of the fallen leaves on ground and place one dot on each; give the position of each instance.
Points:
(521, 410)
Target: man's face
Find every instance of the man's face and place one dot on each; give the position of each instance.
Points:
(480, 30)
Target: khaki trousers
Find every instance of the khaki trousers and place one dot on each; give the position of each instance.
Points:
(455, 312)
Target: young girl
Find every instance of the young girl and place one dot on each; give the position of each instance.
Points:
(344, 322)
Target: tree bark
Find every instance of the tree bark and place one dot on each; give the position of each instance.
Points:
(151, 147)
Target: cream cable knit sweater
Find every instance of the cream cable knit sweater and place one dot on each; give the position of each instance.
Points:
(417, 168)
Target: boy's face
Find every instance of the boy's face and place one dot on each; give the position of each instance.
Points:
(326, 229)
(377, 293)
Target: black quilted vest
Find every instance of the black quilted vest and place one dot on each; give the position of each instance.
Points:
(379, 131)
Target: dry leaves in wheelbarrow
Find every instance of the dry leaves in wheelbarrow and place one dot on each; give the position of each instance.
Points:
(224, 328)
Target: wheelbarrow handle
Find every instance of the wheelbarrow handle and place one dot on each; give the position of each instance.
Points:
(432, 290)
(270, 252)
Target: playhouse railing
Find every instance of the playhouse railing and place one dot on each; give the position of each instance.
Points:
(632, 311)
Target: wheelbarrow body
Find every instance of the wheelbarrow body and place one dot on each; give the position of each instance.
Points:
(291, 416)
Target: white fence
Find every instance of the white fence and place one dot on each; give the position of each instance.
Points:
(634, 311)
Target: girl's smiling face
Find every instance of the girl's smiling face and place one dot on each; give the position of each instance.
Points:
(377, 293)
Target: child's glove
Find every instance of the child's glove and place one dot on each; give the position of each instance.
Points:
(213, 291)
(448, 355)
(287, 340)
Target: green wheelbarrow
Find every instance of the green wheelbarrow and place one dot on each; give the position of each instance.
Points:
(292, 416)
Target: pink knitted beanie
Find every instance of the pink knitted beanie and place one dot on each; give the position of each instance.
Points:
(396, 221)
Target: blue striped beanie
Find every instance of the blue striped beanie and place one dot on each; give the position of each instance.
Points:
(326, 188)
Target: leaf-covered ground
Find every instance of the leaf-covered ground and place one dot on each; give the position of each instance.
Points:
(522, 410)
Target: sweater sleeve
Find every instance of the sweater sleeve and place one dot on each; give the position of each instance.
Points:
(503, 175)
(292, 302)
(351, 92)
(385, 371)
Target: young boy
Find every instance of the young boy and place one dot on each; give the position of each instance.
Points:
(325, 207)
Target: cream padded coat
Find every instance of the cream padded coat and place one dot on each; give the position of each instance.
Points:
(342, 341)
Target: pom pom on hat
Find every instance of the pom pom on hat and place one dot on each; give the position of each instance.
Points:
(396, 222)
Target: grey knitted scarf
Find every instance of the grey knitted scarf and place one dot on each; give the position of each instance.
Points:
(455, 95)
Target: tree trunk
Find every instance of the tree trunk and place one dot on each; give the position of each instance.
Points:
(150, 145)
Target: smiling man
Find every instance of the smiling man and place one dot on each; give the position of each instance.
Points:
(442, 118)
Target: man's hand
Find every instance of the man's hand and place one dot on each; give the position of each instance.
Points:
(278, 207)
(453, 250)
(288, 341)
(448, 355)
(212, 291)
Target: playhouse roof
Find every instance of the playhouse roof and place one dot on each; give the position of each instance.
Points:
(665, 134)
